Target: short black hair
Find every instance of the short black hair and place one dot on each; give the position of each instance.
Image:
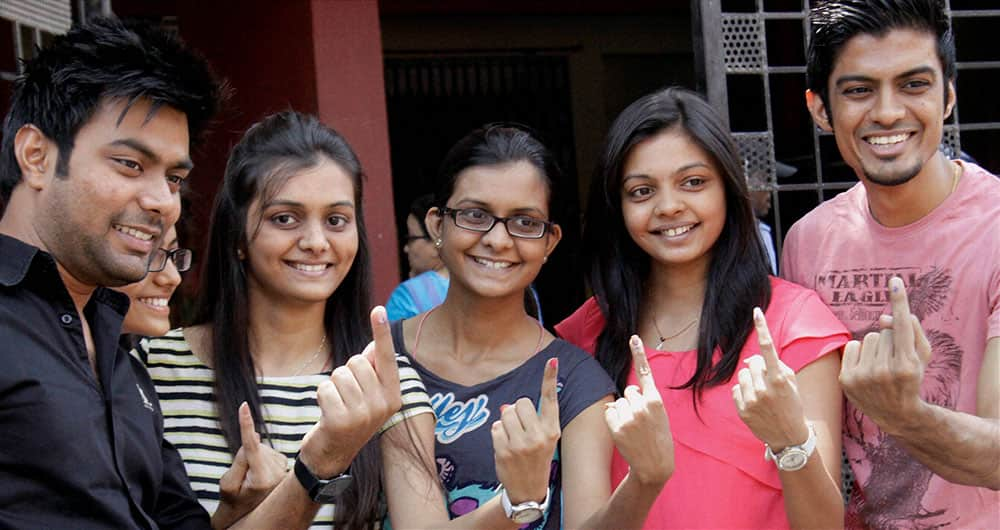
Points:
(104, 59)
(419, 208)
(834, 22)
(495, 144)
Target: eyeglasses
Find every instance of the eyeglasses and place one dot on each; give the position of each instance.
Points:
(479, 220)
(181, 257)
(411, 239)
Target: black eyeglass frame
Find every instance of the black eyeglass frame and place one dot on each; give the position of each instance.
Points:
(170, 255)
(455, 212)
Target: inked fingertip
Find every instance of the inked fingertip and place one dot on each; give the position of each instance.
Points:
(380, 316)
(553, 363)
(635, 341)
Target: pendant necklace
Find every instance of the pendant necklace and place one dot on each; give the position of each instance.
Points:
(659, 334)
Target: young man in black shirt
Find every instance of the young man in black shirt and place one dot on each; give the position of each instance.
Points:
(95, 149)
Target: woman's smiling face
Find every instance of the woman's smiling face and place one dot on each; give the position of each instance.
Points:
(673, 199)
(149, 312)
(494, 263)
(303, 240)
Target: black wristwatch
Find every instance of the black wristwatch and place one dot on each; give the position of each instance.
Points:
(319, 490)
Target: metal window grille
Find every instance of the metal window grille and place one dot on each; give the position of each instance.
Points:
(771, 123)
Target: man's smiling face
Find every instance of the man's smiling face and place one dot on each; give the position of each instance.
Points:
(887, 104)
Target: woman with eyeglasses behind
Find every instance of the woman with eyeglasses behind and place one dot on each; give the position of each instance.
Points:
(149, 312)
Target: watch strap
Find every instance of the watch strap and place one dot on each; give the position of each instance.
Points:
(806, 447)
(511, 509)
(316, 487)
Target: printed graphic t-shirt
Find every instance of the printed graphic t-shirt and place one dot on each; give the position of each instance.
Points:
(950, 263)
(463, 448)
(721, 479)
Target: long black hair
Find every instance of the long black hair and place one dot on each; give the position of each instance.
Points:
(618, 269)
(270, 153)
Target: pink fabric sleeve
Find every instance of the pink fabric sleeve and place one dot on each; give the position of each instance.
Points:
(583, 326)
(809, 331)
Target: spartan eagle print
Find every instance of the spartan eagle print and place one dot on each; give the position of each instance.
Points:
(892, 495)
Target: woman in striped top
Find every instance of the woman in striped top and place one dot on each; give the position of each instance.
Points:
(285, 292)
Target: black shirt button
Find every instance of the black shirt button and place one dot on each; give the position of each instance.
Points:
(66, 319)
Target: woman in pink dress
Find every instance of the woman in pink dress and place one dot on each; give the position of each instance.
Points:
(674, 257)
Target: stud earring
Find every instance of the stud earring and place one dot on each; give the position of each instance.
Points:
(240, 255)
(545, 259)
(437, 243)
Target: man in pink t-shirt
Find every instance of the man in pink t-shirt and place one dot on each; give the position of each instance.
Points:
(922, 435)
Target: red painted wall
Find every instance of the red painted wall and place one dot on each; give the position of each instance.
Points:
(317, 56)
(350, 94)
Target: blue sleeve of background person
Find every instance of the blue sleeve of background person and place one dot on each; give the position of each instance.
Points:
(400, 304)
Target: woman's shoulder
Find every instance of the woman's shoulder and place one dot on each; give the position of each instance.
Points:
(574, 361)
(785, 295)
(583, 326)
(171, 350)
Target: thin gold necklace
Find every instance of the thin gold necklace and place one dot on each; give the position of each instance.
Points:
(663, 339)
(313, 358)
(957, 175)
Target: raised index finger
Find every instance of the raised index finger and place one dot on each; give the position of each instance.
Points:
(384, 359)
(902, 337)
(767, 350)
(641, 366)
(248, 434)
(548, 408)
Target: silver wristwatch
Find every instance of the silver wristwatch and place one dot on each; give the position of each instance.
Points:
(525, 512)
(793, 457)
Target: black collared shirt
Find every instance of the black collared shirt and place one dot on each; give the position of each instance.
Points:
(75, 453)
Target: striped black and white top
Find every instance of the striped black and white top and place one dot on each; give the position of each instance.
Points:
(191, 424)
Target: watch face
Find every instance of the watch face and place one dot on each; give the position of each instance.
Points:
(331, 491)
(526, 515)
(793, 460)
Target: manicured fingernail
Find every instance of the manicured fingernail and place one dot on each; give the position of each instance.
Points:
(553, 363)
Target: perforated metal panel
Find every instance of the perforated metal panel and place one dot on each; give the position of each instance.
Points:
(743, 44)
(951, 140)
(757, 150)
